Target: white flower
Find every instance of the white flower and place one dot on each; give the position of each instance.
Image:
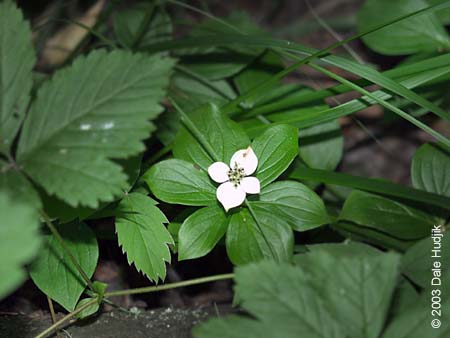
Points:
(235, 183)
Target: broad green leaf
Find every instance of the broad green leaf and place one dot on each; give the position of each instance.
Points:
(17, 187)
(322, 145)
(201, 231)
(418, 260)
(444, 14)
(180, 182)
(276, 148)
(413, 35)
(224, 135)
(143, 236)
(257, 72)
(416, 321)
(356, 283)
(141, 25)
(54, 273)
(283, 303)
(89, 311)
(249, 241)
(16, 62)
(392, 217)
(98, 108)
(293, 202)
(430, 169)
(19, 241)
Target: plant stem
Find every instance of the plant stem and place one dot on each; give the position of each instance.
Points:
(66, 249)
(186, 120)
(59, 323)
(170, 285)
(53, 314)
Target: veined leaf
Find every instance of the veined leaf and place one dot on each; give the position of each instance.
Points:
(294, 202)
(16, 62)
(55, 274)
(392, 217)
(143, 236)
(430, 170)
(224, 135)
(19, 241)
(247, 240)
(419, 34)
(276, 148)
(96, 109)
(181, 182)
(201, 231)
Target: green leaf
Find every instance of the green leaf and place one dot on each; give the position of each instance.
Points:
(356, 283)
(419, 34)
(180, 182)
(153, 20)
(430, 169)
(143, 236)
(224, 135)
(443, 14)
(389, 216)
(89, 311)
(17, 187)
(322, 145)
(98, 108)
(16, 62)
(293, 202)
(418, 261)
(276, 148)
(54, 273)
(248, 241)
(201, 231)
(19, 241)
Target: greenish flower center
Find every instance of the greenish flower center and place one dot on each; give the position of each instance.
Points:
(235, 175)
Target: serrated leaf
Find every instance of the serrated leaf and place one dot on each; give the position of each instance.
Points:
(430, 169)
(201, 231)
(143, 236)
(293, 202)
(419, 34)
(224, 135)
(180, 182)
(54, 273)
(276, 148)
(390, 216)
(247, 241)
(98, 108)
(19, 241)
(16, 62)
(322, 145)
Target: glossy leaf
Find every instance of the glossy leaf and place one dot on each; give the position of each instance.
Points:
(55, 274)
(276, 148)
(390, 216)
(143, 236)
(16, 62)
(248, 241)
(430, 169)
(98, 108)
(201, 231)
(224, 135)
(322, 145)
(413, 35)
(180, 182)
(293, 202)
(19, 241)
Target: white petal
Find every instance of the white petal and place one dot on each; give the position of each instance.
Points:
(251, 185)
(230, 196)
(246, 159)
(218, 171)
